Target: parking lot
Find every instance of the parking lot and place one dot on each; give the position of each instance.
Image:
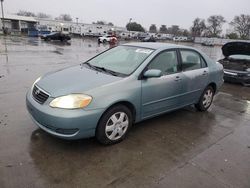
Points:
(184, 148)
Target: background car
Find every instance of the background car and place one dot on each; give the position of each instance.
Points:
(148, 39)
(56, 36)
(124, 85)
(207, 43)
(236, 62)
(106, 38)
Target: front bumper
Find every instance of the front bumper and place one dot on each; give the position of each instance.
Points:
(237, 77)
(66, 124)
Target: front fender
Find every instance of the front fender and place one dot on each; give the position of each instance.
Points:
(126, 90)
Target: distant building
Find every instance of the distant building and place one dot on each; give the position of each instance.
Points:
(18, 24)
(54, 25)
(22, 24)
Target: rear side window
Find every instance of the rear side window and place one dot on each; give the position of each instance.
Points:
(191, 60)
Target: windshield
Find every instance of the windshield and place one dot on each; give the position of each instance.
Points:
(121, 59)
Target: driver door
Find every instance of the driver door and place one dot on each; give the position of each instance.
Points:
(164, 93)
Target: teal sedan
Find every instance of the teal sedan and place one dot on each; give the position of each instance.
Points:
(106, 95)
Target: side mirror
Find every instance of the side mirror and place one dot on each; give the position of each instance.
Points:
(152, 73)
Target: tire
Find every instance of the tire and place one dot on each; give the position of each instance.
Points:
(206, 99)
(104, 41)
(114, 125)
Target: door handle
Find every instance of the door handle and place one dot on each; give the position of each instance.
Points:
(204, 73)
(177, 78)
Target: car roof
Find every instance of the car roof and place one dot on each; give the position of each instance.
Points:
(156, 45)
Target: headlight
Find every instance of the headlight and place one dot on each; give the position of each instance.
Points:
(72, 101)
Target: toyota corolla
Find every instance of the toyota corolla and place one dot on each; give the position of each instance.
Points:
(105, 95)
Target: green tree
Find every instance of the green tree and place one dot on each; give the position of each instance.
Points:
(133, 26)
(163, 29)
(215, 23)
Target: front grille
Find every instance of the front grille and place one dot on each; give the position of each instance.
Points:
(39, 95)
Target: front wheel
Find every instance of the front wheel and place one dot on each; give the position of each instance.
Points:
(206, 99)
(114, 125)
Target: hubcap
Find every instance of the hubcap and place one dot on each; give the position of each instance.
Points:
(207, 98)
(117, 125)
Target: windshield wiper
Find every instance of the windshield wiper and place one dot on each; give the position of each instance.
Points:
(107, 70)
(102, 69)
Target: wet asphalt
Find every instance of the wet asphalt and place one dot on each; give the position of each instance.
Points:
(184, 148)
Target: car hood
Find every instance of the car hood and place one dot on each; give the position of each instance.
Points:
(76, 79)
(236, 48)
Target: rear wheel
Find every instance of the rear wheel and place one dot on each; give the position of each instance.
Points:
(114, 125)
(206, 99)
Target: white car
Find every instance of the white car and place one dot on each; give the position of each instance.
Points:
(180, 39)
(105, 39)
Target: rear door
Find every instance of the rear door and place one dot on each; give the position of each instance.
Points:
(195, 72)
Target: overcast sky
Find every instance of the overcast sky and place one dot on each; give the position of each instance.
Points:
(142, 11)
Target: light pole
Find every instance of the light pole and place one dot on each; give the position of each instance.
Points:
(129, 27)
(2, 16)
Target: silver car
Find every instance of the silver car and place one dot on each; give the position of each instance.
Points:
(105, 95)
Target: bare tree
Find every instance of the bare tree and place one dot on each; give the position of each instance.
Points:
(26, 13)
(174, 30)
(241, 25)
(42, 15)
(198, 27)
(99, 22)
(185, 33)
(153, 28)
(232, 36)
(215, 23)
(163, 29)
(64, 17)
(111, 24)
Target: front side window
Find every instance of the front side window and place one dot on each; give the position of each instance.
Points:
(121, 59)
(166, 62)
(191, 60)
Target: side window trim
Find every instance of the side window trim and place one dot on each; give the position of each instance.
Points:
(181, 62)
(202, 58)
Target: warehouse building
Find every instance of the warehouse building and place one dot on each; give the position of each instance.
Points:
(15, 24)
